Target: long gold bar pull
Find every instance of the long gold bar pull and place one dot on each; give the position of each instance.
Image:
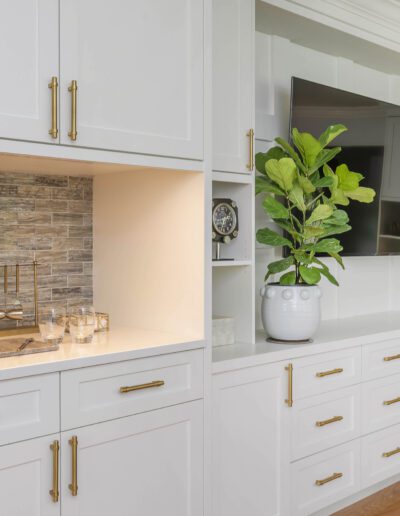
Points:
(157, 383)
(53, 85)
(335, 476)
(391, 402)
(73, 487)
(393, 357)
(289, 400)
(250, 164)
(329, 421)
(73, 88)
(35, 292)
(329, 373)
(390, 453)
(55, 493)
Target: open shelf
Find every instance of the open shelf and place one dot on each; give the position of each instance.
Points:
(231, 263)
(229, 177)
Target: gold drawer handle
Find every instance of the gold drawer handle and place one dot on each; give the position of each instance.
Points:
(55, 493)
(390, 453)
(289, 369)
(393, 357)
(328, 373)
(73, 89)
(53, 85)
(329, 421)
(157, 383)
(250, 164)
(73, 487)
(335, 476)
(391, 402)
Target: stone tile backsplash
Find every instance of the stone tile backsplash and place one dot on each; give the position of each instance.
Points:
(50, 218)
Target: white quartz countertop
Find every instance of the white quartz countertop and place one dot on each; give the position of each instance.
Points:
(332, 335)
(113, 346)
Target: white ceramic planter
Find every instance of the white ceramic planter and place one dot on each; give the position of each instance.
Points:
(290, 313)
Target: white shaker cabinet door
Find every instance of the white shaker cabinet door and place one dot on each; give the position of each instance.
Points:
(233, 85)
(148, 464)
(26, 478)
(250, 442)
(138, 67)
(29, 47)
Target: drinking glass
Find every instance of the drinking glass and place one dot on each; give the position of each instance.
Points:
(82, 320)
(52, 324)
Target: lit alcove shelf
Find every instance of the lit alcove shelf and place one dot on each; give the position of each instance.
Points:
(394, 237)
(231, 263)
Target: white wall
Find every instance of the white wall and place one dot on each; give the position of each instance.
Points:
(369, 284)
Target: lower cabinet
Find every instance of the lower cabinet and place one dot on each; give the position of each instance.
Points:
(147, 464)
(27, 477)
(250, 442)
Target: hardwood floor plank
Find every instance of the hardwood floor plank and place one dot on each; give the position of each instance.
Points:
(383, 503)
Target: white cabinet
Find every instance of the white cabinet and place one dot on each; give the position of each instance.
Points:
(28, 61)
(26, 478)
(233, 85)
(147, 464)
(250, 442)
(139, 71)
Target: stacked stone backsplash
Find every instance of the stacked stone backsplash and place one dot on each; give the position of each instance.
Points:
(50, 218)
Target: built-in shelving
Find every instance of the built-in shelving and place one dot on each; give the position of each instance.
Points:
(231, 263)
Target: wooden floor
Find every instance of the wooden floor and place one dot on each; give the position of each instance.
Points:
(382, 503)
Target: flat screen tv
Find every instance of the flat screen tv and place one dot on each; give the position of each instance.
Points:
(371, 146)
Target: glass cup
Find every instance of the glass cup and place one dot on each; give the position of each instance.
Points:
(52, 322)
(82, 320)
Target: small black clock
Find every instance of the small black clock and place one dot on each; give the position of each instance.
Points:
(225, 222)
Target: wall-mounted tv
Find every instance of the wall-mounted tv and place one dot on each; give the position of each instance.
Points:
(371, 146)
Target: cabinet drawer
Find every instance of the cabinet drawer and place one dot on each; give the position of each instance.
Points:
(110, 391)
(380, 403)
(325, 478)
(325, 372)
(326, 420)
(29, 407)
(381, 359)
(380, 455)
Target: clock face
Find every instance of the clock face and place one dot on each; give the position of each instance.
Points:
(224, 219)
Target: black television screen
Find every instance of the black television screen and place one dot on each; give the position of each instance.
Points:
(371, 146)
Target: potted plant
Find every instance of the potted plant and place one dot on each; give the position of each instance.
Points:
(305, 197)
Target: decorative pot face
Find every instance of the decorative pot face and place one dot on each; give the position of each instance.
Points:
(290, 312)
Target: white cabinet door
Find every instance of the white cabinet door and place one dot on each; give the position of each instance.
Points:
(139, 71)
(28, 60)
(148, 464)
(250, 442)
(26, 478)
(233, 84)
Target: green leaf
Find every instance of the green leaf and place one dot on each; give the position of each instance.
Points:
(284, 224)
(306, 184)
(292, 153)
(321, 212)
(361, 194)
(323, 182)
(336, 230)
(280, 265)
(338, 218)
(289, 278)
(347, 180)
(263, 157)
(339, 197)
(308, 146)
(296, 196)
(274, 208)
(331, 133)
(328, 245)
(268, 237)
(323, 157)
(329, 276)
(338, 258)
(311, 275)
(283, 172)
(313, 231)
(265, 185)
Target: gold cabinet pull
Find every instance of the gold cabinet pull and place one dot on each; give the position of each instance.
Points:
(390, 453)
(391, 402)
(250, 164)
(55, 493)
(73, 89)
(335, 476)
(329, 421)
(289, 369)
(328, 373)
(53, 85)
(73, 487)
(150, 385)
(393, 357)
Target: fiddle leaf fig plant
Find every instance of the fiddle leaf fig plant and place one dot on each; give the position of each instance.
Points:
(305, 197)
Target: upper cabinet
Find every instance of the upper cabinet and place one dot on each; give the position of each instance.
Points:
(28, 60)
(129, 74)
(138, 67)
(233, 85)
